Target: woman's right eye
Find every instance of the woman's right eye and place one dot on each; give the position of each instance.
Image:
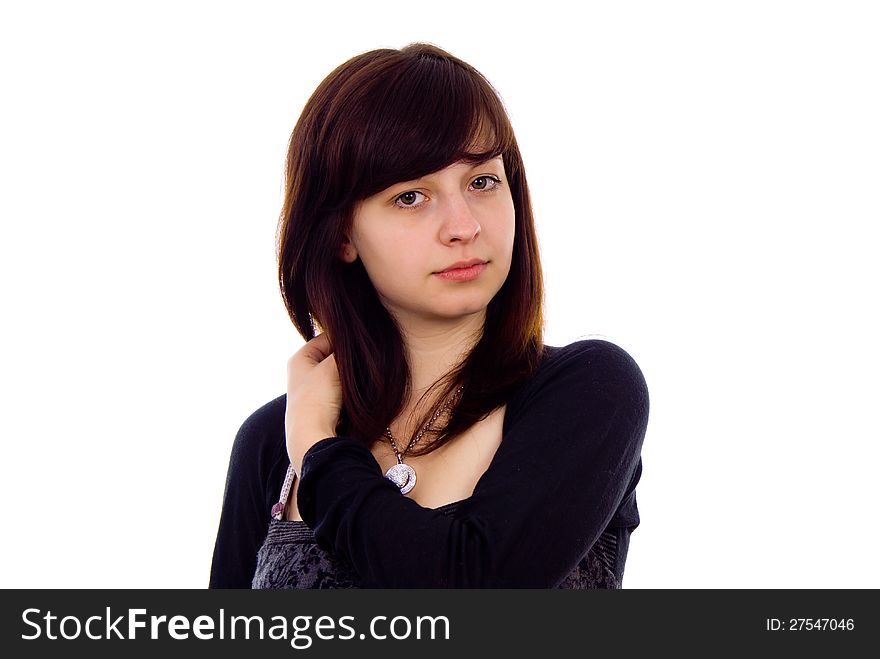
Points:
(408, 199)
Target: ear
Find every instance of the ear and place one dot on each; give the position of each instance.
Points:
(347, 251)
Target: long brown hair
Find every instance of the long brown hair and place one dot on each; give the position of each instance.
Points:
(383, 117)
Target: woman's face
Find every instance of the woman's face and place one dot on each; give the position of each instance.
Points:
(410, 231)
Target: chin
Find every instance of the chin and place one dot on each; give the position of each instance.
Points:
(457, 311)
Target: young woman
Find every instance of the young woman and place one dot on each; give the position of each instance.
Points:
(428, 437)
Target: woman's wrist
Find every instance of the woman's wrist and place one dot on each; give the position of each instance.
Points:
(301, 440)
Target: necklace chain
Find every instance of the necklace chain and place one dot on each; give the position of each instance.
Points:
(421, 432)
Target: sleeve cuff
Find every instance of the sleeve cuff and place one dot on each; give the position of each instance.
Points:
(336, 470)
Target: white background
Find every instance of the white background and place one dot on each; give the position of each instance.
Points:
(705, 182)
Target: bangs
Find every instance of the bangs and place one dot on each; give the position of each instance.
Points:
(402, 120)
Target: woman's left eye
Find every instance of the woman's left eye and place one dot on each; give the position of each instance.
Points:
(409, 199)
(482, 183)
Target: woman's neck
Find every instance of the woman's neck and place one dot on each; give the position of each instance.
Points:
(433, 350)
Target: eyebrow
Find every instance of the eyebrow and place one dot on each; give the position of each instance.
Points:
(487, 160)
(463, 162)
(408, 182)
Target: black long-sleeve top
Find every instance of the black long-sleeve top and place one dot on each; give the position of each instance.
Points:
(564, 473)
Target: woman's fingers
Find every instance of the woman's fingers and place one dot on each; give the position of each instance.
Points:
(318, 348)
(313, 352)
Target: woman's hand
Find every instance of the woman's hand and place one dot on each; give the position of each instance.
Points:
(314, 398)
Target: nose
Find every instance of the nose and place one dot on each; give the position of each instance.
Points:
(460, 224)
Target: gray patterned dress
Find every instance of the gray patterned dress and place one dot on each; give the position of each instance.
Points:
(291, 558)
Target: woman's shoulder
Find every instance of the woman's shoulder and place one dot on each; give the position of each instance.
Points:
(582, 375)
(596, 347)
(265, 418)
(260, 438)
(594, 361)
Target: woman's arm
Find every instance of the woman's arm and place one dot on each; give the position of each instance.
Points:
(256, 471)
(568, 458)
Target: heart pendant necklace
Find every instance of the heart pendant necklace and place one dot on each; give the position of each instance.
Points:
(402, 474)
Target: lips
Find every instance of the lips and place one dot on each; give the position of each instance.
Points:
(462, 274)
(463, 264)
